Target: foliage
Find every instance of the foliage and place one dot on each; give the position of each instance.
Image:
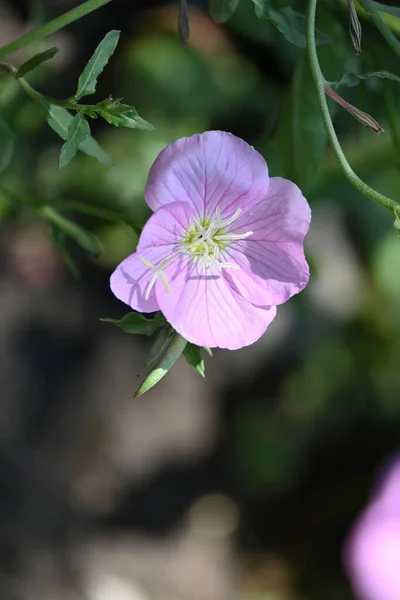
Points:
(295, 145)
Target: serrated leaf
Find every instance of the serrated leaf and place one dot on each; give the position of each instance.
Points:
(122, 115)
(88, 79)
(35, 61)
(136, 323)
(352, 79)
(6, 145)
(59, 120)
(78, 131)
(222, 10)
(183, 22)
(293, 26)
(81, 236)
(300, 137)
(193, 355)
(163, 361)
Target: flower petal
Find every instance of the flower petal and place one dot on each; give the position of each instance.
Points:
(156, 244)
(273, 264)
(129, 282)
(208, 170)
(372, 555)
(206, 311)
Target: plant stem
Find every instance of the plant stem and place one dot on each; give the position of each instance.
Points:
(381, 25)
(319, 82)
(55, 25)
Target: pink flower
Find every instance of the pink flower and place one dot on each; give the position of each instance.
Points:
(372, 554)
(224, 246)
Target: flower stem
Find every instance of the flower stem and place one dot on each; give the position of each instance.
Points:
(319, 82)
(381, 25)
(55, 25)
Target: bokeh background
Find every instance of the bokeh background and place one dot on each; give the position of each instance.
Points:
(242, 485)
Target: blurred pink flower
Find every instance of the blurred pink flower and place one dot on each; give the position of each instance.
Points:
(372, 553)
(224, 245)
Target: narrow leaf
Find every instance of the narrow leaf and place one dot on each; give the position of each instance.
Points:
(352, 79)
(222, 10)
(59, 240)
(6, 145)
(300, 138)
(293, 26)
(183, 22)
(165, 360)
(122, 115)
(59, 119)
(194, 357)
(35, 61)
(88, 78)
(81, 236)
(78, 131)
(136, 323)
(385, 8)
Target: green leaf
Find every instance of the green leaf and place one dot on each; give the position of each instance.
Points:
(122, 115)
(300, 137)
(384, 8)
(293, 26)
(78, 131)
(101, 212)
(59, 119)
(222, 10)
(352, 79)
(138, 324)
(6, 145)
(88, 78)
(261, 8)
(81, 236)
(194, 357)
(35, 61)
(59, 238)
(164, 360)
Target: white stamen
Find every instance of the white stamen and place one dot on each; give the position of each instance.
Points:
(205, 243)
(158, 273)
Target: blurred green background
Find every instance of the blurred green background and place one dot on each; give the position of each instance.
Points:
(243, 485)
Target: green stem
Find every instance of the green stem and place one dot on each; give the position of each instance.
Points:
(382, 26)
(39, 97)
(319, 82)
(55, 25)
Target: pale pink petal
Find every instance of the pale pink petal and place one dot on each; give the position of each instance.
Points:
(206, 311)
(284, 215)
(273, 264)
(208, 170)
(373, 556)
(157, 243)
(128, 283)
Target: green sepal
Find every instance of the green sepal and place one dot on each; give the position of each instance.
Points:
(136, 323)
(169, 345)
